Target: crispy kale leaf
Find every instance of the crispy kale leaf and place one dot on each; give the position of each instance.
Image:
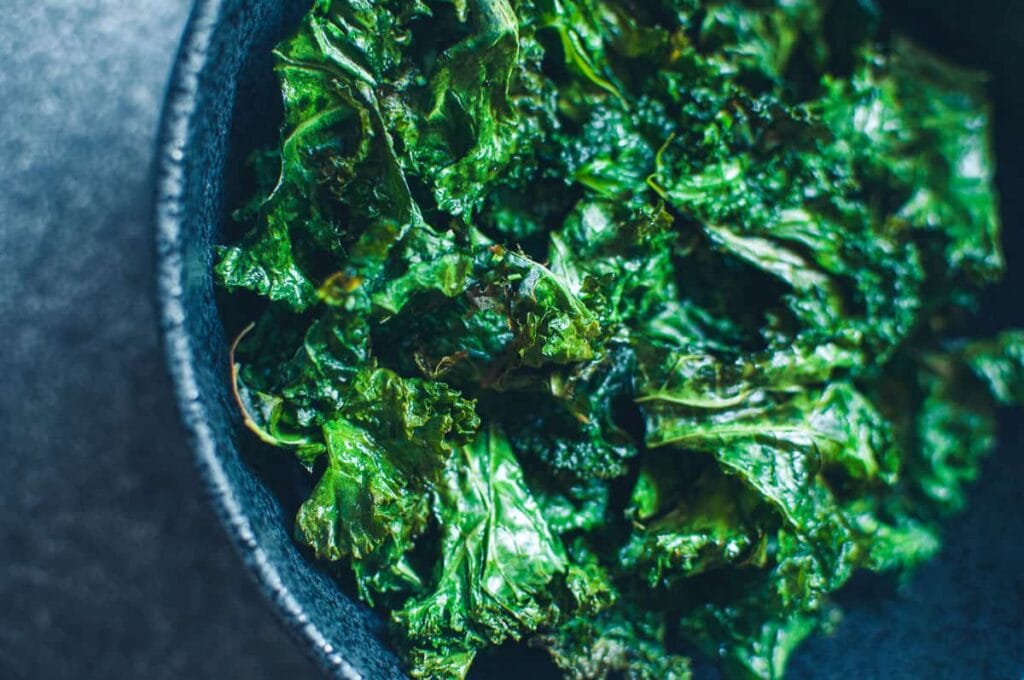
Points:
(617, 328)
(616, 644)
(498, 561)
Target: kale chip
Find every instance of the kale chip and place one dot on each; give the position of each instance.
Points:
(619, 328)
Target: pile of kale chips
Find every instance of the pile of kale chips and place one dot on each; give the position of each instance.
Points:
(620, 327)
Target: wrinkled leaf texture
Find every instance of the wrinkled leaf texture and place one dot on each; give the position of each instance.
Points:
(613, 327)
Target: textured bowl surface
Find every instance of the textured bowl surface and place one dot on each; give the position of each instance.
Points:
(344, 635)
(962, 618)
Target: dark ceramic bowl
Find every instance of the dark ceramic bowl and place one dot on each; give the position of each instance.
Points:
(962, 616)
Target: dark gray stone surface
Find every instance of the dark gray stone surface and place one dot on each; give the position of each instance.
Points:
(112, 565)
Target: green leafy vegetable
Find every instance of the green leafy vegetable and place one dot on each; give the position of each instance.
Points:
(498, 558)
(620, 329)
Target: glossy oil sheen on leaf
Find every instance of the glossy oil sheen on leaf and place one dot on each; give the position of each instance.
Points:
(614, 328)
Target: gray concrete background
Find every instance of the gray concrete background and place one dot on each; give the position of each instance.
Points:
(112, 564)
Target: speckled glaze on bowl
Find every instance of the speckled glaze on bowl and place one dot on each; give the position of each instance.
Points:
(959, 619)
(344, 636)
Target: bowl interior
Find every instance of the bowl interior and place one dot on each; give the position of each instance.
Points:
(226, 57)
(224, 104)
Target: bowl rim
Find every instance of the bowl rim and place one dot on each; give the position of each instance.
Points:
(177, 125)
